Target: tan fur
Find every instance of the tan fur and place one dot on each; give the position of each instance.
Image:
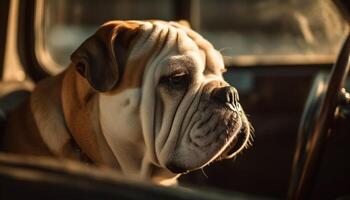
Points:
(24, 139)
(76, 103)
(30, 128)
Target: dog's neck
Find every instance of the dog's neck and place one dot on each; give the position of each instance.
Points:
(81, 116)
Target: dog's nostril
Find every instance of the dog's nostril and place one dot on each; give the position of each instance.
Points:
(226, 94)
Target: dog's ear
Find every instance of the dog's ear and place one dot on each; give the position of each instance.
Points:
(101, 58)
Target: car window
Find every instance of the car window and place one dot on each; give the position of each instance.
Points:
(63, 25)
(246, 32)
(273, 31)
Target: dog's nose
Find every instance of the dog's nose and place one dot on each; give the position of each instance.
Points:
(226, 94)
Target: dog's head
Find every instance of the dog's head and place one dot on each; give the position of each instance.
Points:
(162, 96)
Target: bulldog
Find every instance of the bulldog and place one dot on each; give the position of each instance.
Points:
(145, 97)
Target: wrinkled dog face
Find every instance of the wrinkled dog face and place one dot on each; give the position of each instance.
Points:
(215, 128)
(198, 117)
(166, 103)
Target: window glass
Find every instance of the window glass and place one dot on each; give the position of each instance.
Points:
(66, 23)
(246, 32)
(273, 30)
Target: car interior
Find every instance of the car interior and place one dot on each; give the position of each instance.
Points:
(288, 59)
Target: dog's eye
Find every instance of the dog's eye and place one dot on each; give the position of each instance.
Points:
(176, 80)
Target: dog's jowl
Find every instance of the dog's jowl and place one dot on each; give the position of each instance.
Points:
(144, 97)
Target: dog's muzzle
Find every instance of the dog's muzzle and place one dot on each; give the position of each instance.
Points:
(218, 130)
(229, 96)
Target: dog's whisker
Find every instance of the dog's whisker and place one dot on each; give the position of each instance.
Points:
(224, 49)
(203, 172)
